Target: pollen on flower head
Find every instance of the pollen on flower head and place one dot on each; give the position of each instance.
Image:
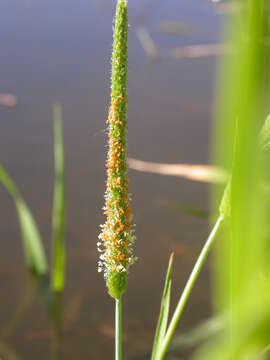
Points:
(117, 234)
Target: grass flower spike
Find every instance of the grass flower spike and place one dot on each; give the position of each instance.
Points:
(117, 235)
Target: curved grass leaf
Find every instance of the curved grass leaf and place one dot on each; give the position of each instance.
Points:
(163, 314)
(33, 248)
(58, 245)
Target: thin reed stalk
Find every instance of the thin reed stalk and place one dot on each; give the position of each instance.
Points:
(118, 329)
(189, 286)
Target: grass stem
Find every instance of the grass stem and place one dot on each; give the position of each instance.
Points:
(118, 329)
(189, 285)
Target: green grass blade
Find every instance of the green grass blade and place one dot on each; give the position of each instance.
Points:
(59, 208)
(163, 314)
(33, 248)
(189, 286)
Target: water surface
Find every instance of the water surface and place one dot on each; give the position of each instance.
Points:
(59, 51)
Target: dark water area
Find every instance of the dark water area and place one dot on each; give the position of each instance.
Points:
(59, 51)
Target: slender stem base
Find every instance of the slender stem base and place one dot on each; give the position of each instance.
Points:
(118, 329)
(189, 285)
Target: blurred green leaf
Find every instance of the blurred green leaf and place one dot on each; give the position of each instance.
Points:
(163, 314)
(242, 255)
(59, 208)
(33, 248)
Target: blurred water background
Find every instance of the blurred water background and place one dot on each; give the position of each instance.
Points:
(59, 51)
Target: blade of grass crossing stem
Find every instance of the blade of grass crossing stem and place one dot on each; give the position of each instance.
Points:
(163, 314)
(33, 248)
(59, 254)
(189, 286)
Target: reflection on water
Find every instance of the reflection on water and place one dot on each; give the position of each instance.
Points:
(59, 51)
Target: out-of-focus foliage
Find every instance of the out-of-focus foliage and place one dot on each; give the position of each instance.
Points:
(33, 248)
(35, 256)
(59, 209)
(242, 261)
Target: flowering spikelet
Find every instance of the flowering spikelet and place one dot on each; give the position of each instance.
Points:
(117, 235)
